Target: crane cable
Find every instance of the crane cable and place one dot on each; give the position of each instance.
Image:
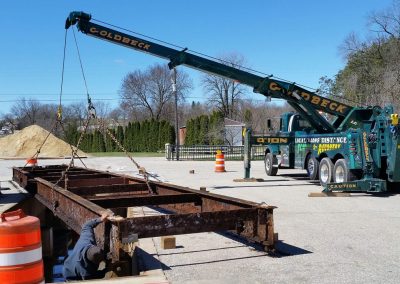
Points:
(58, 119)
(103, 129)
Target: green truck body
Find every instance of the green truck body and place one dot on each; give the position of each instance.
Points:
(357, 150)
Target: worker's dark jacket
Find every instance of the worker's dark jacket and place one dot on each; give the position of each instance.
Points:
(76, 265)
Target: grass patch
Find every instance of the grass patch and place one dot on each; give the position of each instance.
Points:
(122, 154)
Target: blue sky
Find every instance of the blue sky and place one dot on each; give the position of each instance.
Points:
(294, 40)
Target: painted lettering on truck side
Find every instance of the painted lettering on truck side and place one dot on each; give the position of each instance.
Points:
(119, 38)
(321, 144)
(366, 148)
(346, 185)
(331, 139)
(272, 140)
(313, 99)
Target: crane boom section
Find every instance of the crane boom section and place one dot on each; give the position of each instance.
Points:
(307, 103)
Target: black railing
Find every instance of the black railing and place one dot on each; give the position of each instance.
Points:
(206, 152)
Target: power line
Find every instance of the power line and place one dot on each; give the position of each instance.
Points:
(202, 54)
(55, 100)
(118, 99)
(53, 94)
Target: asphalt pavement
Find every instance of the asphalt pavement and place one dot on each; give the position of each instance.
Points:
(321, 239)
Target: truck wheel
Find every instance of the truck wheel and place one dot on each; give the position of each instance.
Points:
(270, 161)
(325, 171)
(312, 167)
(341, 172)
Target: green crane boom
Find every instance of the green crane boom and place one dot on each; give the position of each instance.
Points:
(306, 103)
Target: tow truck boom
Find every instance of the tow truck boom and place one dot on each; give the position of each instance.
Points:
(306, 103)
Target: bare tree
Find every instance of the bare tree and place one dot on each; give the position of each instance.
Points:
(76, 112)
(102, 109)
(386, 23)
(26, 110)
(225, 94)
(47, 116)
(372, 72)
(151, 90)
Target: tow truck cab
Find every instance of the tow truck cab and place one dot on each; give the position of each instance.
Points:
(281, 144)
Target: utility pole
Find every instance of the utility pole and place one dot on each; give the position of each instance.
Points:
(173, 80)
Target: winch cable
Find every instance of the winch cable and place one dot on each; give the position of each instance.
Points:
(102, 128)
(74, 152)
(90, 112)
(59, 110)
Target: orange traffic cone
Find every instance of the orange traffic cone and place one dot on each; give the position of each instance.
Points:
(219, 162)
(31, 162)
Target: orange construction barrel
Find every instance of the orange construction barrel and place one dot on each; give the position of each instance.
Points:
(219, 162)
(20, 249)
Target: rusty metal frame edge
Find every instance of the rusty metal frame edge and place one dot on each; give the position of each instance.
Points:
(265, 225)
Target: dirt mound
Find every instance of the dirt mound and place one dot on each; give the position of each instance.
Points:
(26, 142)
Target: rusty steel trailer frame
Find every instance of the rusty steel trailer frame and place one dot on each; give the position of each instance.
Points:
(86, 193)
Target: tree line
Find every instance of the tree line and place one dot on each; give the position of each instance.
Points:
(205, 130)
(144, 136)
(371, 75)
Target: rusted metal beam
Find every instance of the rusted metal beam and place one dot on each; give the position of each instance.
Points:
(178, 224)
(45, 173)
(73, 176)
(98, 181)
(87, 191)
(220, 201)
(69, 207)
(131, 201)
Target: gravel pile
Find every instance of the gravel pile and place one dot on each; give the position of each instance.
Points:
(25, 143)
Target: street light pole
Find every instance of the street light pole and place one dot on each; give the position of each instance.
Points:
(173, 80)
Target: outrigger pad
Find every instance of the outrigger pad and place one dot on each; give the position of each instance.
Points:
(366, 185)
(329, 194)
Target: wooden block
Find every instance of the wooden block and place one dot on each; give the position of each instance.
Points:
(168, 242)
(248, 180)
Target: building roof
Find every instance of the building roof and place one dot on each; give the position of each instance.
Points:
(231, 122)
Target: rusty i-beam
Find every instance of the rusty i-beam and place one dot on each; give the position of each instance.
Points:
(86, 193)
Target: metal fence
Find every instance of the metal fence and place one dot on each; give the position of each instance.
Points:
(206, 152)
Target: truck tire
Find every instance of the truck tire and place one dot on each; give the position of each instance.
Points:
(270, 161)
(341, 172)
(312, 167)
(325, 171)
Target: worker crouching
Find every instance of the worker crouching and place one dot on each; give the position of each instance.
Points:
(83, 262)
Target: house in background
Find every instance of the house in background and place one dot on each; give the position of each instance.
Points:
(233, 132)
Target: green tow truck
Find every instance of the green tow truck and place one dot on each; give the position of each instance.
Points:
(362, 158)
(357, 150)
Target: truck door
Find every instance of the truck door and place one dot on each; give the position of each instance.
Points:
(285, 155)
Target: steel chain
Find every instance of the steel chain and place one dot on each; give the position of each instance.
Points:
(74, 151)
(141, 169)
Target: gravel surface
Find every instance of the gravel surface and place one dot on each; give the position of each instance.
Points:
(322, 240)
